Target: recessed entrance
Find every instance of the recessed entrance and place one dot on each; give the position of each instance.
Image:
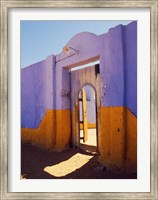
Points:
(85, 95)
(87, 118)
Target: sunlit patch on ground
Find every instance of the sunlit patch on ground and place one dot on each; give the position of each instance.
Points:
(66, 167)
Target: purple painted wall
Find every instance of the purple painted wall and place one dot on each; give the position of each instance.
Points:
(36, 92)
(66, 89)
(89, 45)
(113, 68)
(130, 51)
(119, 67)
(46, 85)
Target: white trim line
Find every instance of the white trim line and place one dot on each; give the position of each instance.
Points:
(86, 65)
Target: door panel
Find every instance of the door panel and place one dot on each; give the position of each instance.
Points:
(84, 113)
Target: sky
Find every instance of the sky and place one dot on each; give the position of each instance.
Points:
(39, 39)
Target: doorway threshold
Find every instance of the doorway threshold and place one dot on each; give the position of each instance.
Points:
(88, 148)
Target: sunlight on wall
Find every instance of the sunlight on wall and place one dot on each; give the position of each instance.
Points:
(68, 166)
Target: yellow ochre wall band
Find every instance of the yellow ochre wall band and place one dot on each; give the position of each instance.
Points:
(53, 132)
(118, 138)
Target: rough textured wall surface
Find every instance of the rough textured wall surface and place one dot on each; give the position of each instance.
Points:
(130, 51)
(118, 143)
(42, 124)
(53, 133)
(36, 92)
(118, 122)
(119, 67)
(112, 71)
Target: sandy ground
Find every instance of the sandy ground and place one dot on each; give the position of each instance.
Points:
(71, 164)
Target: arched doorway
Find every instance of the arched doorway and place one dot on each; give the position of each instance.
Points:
(88, 139)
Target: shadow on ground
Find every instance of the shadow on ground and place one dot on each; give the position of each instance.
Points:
(34, 160)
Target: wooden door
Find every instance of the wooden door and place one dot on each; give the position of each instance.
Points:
(84, 113)
(78, 79)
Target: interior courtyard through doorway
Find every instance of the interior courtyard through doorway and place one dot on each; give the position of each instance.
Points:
(87, 118)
